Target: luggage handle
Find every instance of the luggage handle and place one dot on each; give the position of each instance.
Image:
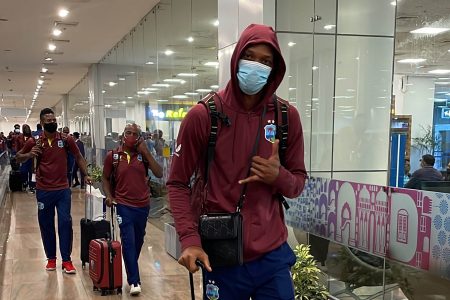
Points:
(191, 279)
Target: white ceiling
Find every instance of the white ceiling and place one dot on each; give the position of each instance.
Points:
(27, 33)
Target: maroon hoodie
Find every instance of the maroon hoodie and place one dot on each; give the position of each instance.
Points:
(264, 228)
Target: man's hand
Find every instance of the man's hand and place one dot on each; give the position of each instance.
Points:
(110, 201)
(265, 170)
(141, 146)
(189, 257)
(88, 179)
(35, 151)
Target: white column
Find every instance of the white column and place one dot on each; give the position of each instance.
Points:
(96, 112)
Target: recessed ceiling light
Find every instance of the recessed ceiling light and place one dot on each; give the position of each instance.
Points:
(48, 59)
(203, 90)
(191, 93)
(180, 97)
(162, 100)
(216, 23)
(121, 78)
(40, 81)
(290, 44)
(108, 105)
(174, 80)
(51, 47)
(161, 85)
(124, 102)
(44, 70)
(212, 64)
(63, 13)
(149, 63)
(430, 30)
(187, 74)
(329, 27)
(56, 32)
(129, 97)
(215, 86)
(190, 39)
(394, 3)
(439, 72)
(112, 83)
(411, 60)
(103, 91)
(42, 76)
(168, 52)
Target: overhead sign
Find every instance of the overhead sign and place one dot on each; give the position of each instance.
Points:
(445, 113)
(169, 114)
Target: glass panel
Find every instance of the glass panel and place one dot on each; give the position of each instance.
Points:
(326, 10)
(362, 103)
(294, 15)
(322, 103)
(366, 17)
(296, 86)
(379, 178)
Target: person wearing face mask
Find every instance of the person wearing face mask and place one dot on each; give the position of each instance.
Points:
(50, 150)
(128, 165)
(12, 139)
(241, 159)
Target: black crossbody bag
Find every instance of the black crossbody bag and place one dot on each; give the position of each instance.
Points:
(222, 233)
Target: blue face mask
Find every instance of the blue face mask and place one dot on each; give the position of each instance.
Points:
(252, 76)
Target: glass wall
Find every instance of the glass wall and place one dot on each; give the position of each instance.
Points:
(166, 64)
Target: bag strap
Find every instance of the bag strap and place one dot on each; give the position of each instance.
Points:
(282, 136)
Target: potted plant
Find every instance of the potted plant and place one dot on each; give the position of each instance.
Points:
(305, 275)
(96, 174)
(426, 143)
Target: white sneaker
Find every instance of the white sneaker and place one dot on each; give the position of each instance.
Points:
(135, 289)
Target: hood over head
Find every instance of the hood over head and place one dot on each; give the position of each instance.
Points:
(254, 34)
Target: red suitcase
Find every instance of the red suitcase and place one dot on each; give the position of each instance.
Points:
(105, 264)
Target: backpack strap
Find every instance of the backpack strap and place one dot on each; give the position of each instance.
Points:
(215, 116)
(282, 136)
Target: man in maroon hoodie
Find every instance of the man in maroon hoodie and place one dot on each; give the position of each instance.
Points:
(257, 69)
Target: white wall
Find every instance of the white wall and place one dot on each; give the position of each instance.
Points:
(415, 96)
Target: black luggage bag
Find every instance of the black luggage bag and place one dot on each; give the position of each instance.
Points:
(15, 181)
(91, 230)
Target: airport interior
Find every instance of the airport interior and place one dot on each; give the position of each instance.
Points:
(370, 81)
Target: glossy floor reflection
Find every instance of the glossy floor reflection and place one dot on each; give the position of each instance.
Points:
(23, 276)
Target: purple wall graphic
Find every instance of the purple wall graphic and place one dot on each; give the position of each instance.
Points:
(408, 226)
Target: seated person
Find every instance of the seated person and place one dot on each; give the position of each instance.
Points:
(426, 173)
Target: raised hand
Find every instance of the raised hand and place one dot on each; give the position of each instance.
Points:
(265, 170)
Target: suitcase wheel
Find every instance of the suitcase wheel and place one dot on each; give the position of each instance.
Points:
(119, 291)
(103, 293)
(83, 265)
(95, 288)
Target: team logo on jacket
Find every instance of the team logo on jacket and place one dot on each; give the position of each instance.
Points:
(139, 157)
(116, 156)
(270, 131)
(119, 219)
(40, 205)
(60, 144)
(212, 291)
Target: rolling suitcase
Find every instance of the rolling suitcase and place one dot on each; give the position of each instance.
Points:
(91, 229)
(15, 181)
(105, 263)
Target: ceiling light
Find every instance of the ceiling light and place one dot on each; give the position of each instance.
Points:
(212, 64)
(329, 27)
(430, 30)
(442, 83)
(216, 23)
(315, 67)
(161, 85)
(150, 89)
(40, 81)
(187, 74)
(411, 60)
(44, 70)
(103, 91)
(162, 100)
(39, 87)
(51, 47)
(152, 63)
(42, 76)
(108, 105)
(180, 97)
(124, 102)
(203, 90)
(439, 72)
(215, 86)
(190, 39)
(443, 78)
(129, 97)
(290, 44)
(143, 92)
(394, 3)
(48, 59)
(121, 78)
(191, 93)
(63, 13)
(112, 83)
(174, 80)
(168, 52)
(56, 32)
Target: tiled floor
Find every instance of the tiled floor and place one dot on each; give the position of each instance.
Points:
(22, 273)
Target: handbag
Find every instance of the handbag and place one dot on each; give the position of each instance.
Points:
(222, 233)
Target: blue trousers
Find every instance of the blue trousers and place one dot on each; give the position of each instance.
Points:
(132, 222)
(47, 201)
(266, 278)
